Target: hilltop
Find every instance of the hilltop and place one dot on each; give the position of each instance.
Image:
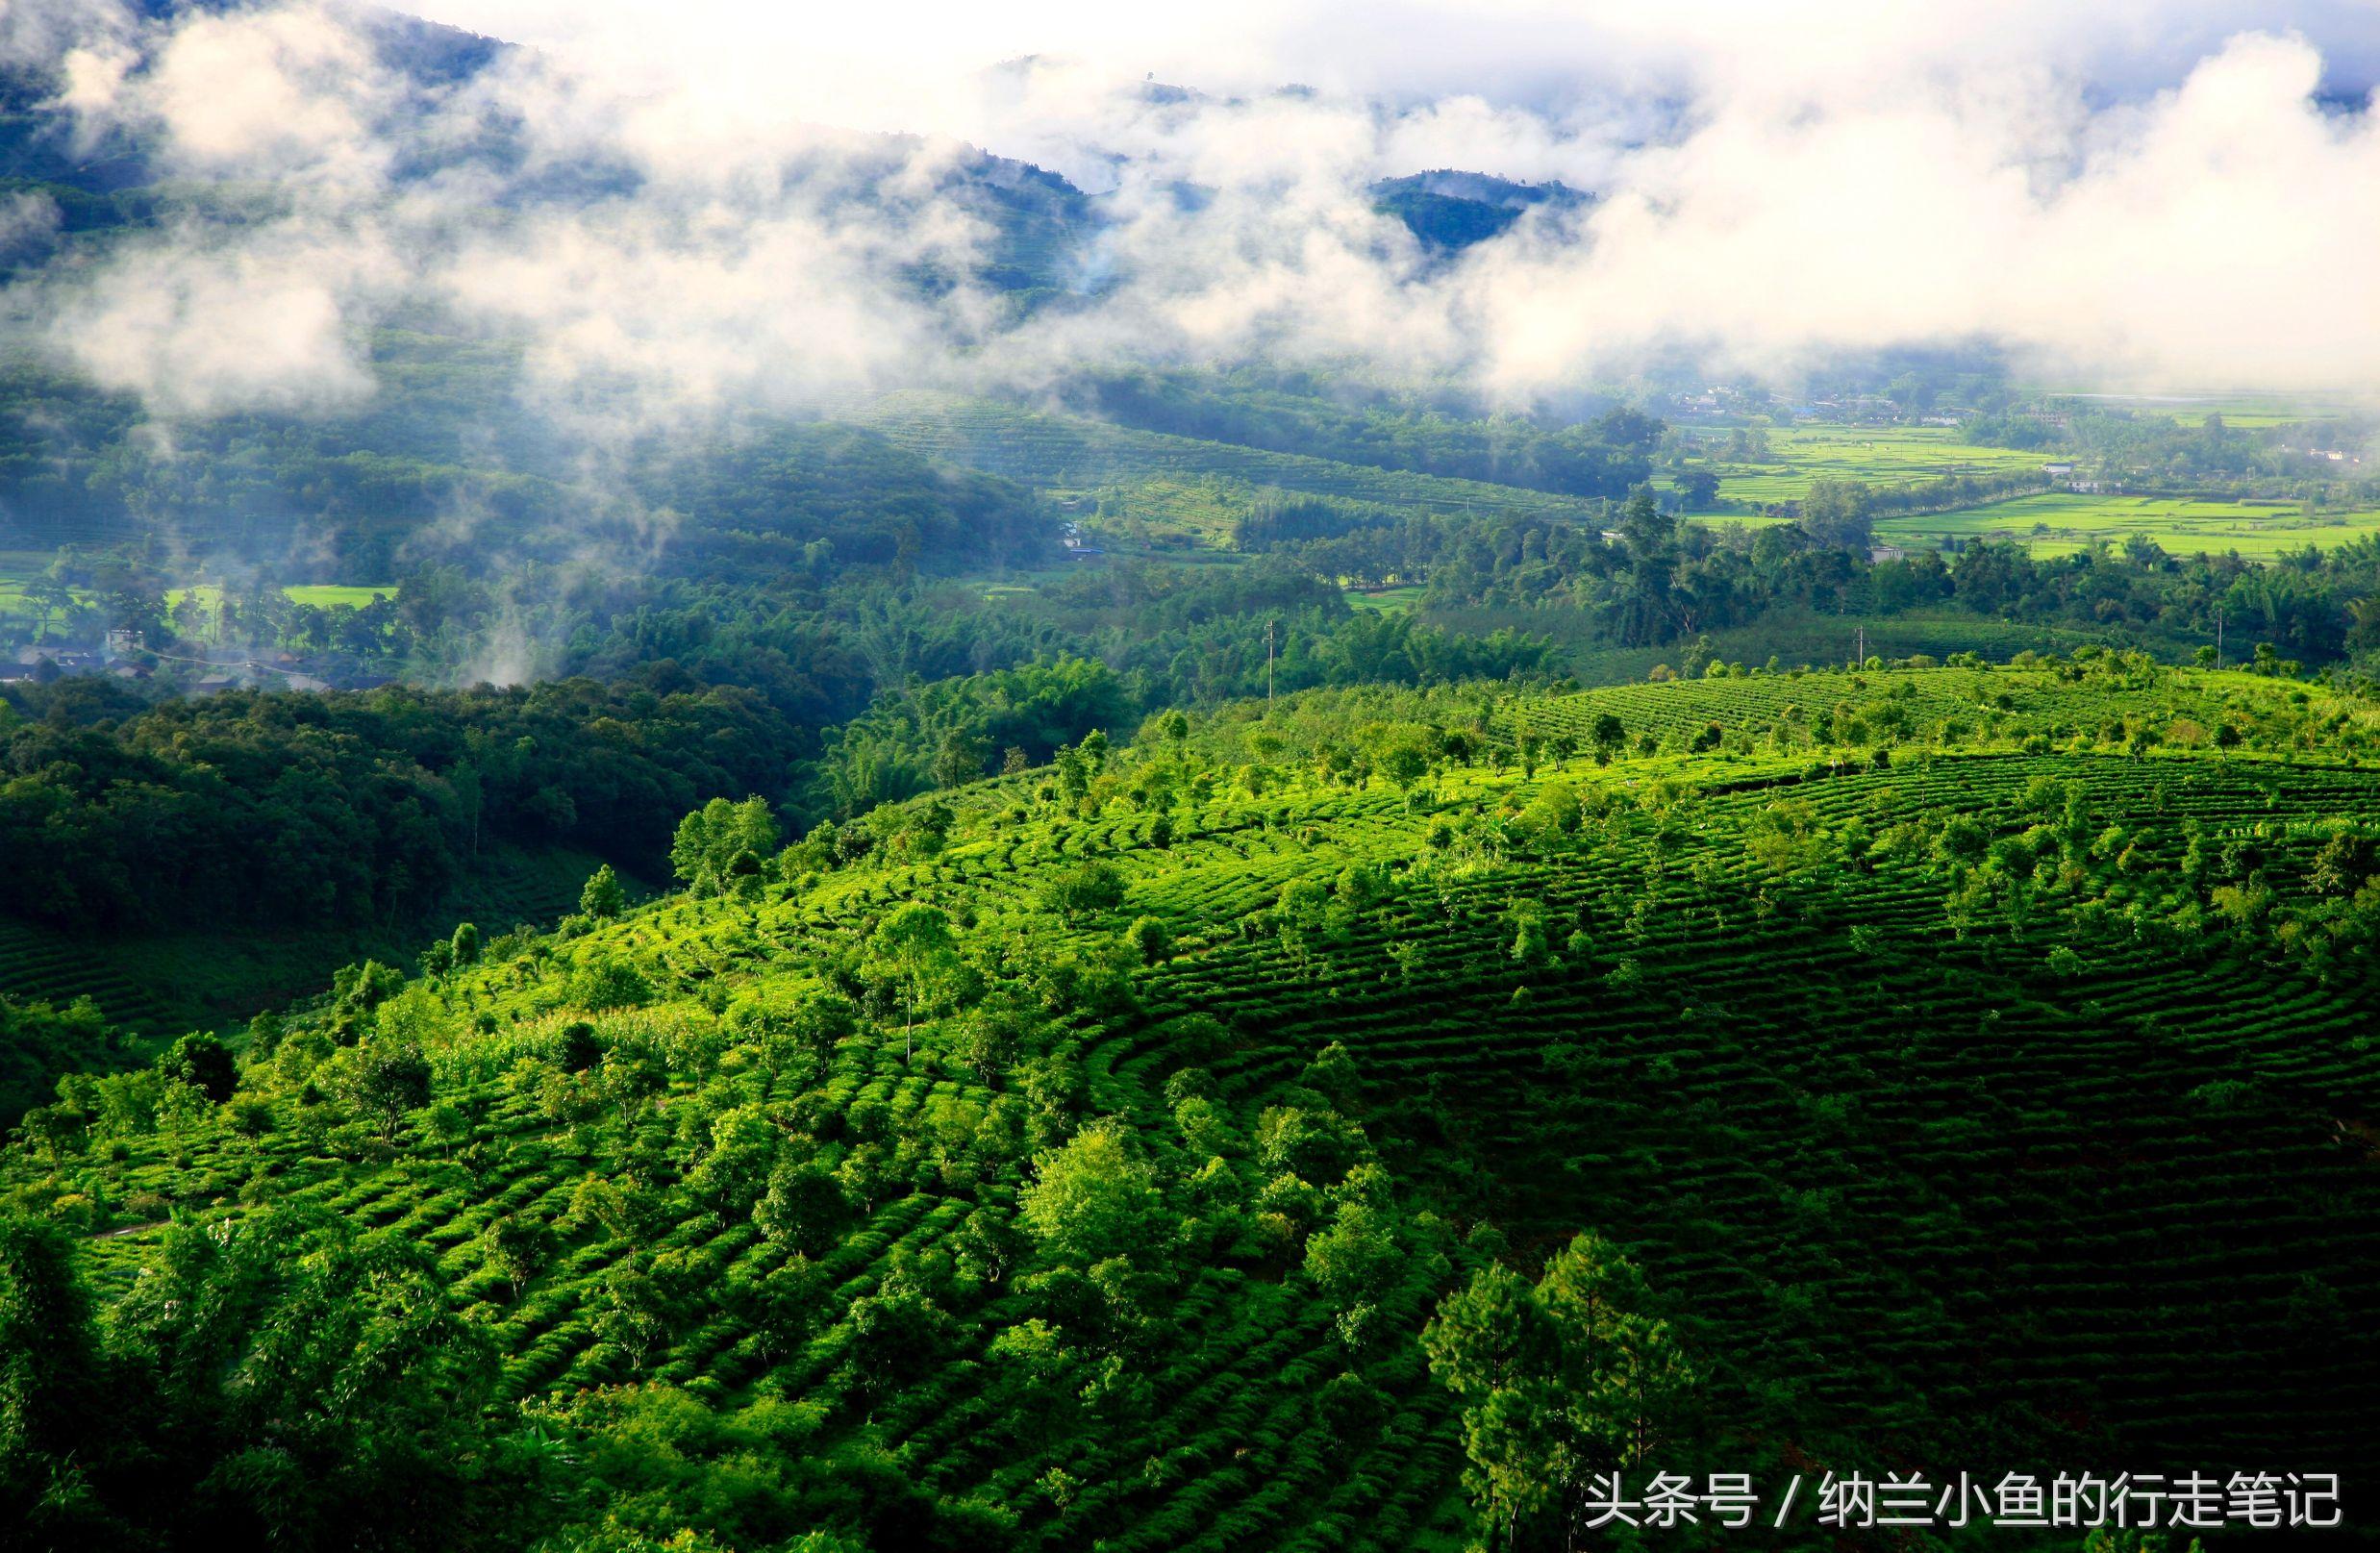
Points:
(1951, 1068)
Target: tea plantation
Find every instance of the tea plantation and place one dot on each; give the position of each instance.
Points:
(1953, 1069)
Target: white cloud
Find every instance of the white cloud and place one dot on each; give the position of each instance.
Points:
(2130, 191)
(2212, 236)
(29, 221)
(270, 323)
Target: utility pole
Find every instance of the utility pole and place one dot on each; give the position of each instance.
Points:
(2218, 636)
(1269, 666)
(1863, 659)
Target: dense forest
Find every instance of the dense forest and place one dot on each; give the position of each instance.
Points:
(293, 809)
(1601, 458)
(1652, 579)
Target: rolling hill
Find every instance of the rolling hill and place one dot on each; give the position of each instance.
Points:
(1972, 1066)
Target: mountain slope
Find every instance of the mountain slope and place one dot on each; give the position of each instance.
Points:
(1451, 211)
(1971, 1060)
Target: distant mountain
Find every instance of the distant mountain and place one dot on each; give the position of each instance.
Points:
(1038, 219)
(38, 145)
(1043, 225)
(1450, 211)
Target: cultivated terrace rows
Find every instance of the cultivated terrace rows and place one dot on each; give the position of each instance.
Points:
(1976, 1062)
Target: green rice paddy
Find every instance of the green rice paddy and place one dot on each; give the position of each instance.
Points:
(1880, 455)
(2056, 523)
(318, 595)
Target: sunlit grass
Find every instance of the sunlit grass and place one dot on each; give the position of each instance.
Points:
(2057, 522)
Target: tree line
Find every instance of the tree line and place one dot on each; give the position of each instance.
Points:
(292, 809)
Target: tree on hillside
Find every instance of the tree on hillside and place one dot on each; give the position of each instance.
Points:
(391, 1079)
(53, 1429)
(820, 1024)
(1094, 1198)
(914, 948)
(608, 982)
(1354, 1259)
(1608, 736)
(960, 757)
(645, 1300)
(733, 1174)
(709, 843)
(1648, 538)
(785, 1305)
(1073, 774)
(897, 1332)
(1148, 938)
(204, 1064)
(1626, 1378)
(1402, 753)
(1491, 1345)
(1084, 891)
(805, 1206)
(1558, 1382)
(520, 1247)
(992, 1040)
(603, 897)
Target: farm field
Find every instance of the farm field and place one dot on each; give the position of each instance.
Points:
(1387, 600)
(17, 567)
(2248, 411)
(1879, 455)
(320, 595)
(1975, 1063)
(2062, 521)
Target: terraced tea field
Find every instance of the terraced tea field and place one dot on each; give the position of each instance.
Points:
(1774, 714)
(40, 963)
(2006, 1099)
(1847, 1142)
(1794, 639)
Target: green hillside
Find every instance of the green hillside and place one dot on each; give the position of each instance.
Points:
(1971, 1066)
(1074, 453)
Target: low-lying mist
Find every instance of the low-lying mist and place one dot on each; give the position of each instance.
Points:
(668, 242)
